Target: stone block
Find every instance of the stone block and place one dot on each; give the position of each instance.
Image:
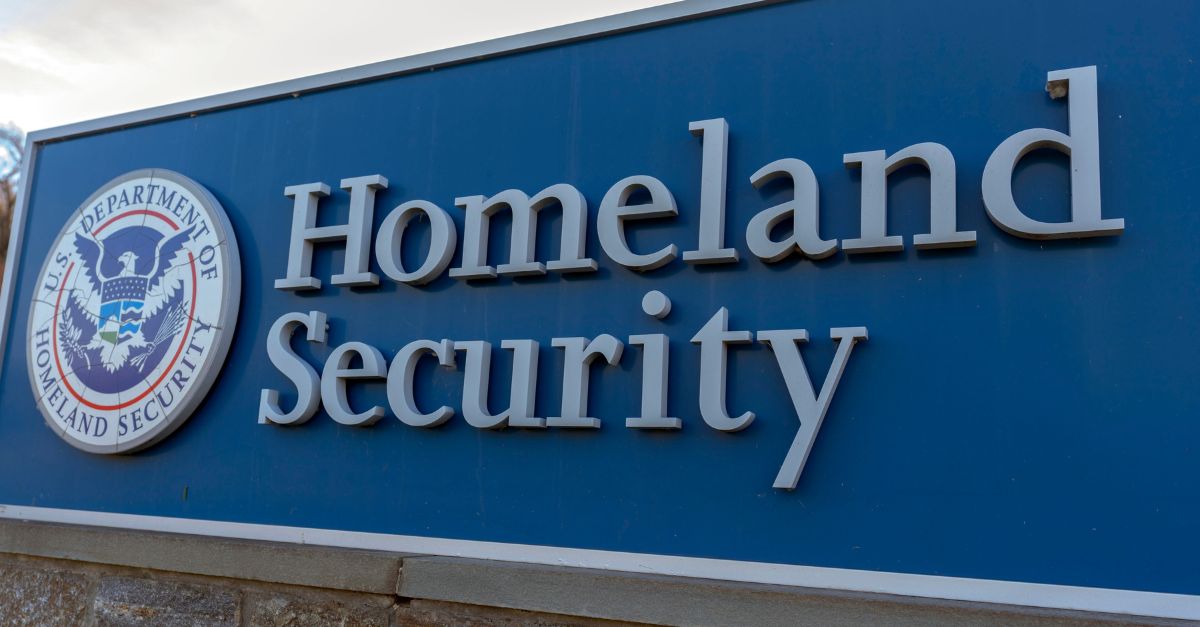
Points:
(42, 596)
(137, 601)
(277, 610)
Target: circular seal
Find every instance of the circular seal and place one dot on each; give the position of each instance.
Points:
(134, 311)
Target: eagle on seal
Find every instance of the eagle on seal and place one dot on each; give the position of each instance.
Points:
(128, 299)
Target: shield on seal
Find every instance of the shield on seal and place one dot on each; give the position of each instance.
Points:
(121, 302)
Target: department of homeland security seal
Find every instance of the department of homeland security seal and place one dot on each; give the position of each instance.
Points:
(134, 312)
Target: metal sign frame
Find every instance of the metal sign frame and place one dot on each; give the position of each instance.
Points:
(1177, 606)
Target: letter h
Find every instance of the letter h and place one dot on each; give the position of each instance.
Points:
(356, 233)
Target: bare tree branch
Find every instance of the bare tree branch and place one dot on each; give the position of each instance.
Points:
(12, 143)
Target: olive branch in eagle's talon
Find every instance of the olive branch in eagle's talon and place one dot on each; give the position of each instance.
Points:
(70, 335)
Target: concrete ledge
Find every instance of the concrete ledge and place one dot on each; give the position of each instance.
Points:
(544, 590)
(684, 601)
(303, 565)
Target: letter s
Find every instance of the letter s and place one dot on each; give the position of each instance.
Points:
(297, 370)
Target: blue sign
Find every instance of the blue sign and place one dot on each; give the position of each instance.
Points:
(846, 294)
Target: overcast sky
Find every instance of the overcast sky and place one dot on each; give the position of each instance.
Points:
(65, 61)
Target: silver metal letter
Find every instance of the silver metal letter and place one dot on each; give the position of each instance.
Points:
(400, 382)
(524, 212)
(943, 217)
(475, 385)
(524, 384)
(713, 339)
(302, 375)
(1082, 146)
(655, 362)
(442, 240)
(713, 171)
(610, 222)
(338, 371)
(356, 233)
(810, 407)
(578, 356)
(803, 209)
(304, 218)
